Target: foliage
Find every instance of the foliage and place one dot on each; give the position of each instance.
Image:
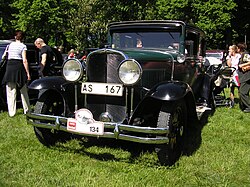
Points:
(86, 25)
(42, 18)
(6, 29)
(213, 16)
(89, 22)
(83, 23)
(174, 9)
(241, 21)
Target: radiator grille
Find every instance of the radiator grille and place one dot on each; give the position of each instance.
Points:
(102, 67)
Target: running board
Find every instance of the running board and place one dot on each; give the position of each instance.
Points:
(200, 110)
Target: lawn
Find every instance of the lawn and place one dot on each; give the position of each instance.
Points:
(222, 158)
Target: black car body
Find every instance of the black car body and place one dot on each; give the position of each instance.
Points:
(33, 61)
(145, 94)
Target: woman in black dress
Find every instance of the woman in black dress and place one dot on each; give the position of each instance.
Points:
(17, 74)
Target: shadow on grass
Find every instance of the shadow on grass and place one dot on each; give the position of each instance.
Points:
(136, 150)
(193, 137)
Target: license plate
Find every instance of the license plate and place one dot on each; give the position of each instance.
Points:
(95, 127)
(102, 88)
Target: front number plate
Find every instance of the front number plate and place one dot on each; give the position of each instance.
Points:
(95, 127)
(102, 88)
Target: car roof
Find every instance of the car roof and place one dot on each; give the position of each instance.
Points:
(151, 23)
(215, 51)
(5, 42)
(143, 22)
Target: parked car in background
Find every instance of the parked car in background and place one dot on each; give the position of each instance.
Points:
(215, 57)
(148, 94)
(33, 60)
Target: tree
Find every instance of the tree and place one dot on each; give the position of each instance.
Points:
(83, 23)
(6, 28)
(88, 23)
(42, 18)
(241, 22)
(213, 16)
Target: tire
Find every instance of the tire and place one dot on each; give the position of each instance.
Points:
(52, 104)
(174, 117)
(212, 102)
(3, 106)
(241, 105)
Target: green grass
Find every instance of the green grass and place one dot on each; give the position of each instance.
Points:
(221, 159)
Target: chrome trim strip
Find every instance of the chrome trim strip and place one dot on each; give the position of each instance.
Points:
(59, 123)
(108, 51)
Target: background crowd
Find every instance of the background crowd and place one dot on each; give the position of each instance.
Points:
(239, 59)
(17, 70)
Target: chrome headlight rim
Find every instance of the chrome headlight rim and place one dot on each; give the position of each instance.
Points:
(77, 73)
(181, 58)
(138, 70)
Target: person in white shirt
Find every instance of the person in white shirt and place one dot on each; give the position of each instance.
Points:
(233, 61)
(17, 74)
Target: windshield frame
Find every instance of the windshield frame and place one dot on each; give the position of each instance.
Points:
(162, 38)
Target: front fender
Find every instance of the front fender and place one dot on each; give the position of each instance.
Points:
(149, 107)
(169, 91)
(54, 82)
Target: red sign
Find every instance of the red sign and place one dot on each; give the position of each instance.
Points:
(72, 125)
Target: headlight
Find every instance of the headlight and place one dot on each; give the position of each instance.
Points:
(181, 58)
(129, 72)
(72, 70)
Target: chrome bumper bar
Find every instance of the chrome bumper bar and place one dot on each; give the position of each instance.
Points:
(119, 130)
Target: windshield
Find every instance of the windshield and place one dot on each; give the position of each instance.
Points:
(145, 39)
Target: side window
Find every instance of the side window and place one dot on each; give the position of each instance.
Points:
(116, 43)
(202, 47)
(189, 49)
(57, 57)
(192, 44)
(32, 54)
(2, 49)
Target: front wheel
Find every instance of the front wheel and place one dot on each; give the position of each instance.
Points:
(173, 115)
(52, 104)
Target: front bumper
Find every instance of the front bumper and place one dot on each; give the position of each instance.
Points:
(146, 135)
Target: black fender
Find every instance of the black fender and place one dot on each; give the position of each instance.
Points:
(169, 91)
(55, 85)
(54, 82)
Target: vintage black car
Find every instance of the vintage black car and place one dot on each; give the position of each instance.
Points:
(33, 59)
(145, 86)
